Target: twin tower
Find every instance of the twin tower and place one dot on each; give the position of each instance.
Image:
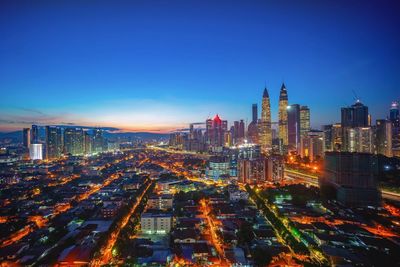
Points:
(265, 129)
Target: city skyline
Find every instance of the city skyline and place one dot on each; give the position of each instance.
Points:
(106, 68)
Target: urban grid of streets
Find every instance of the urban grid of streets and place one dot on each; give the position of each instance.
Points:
(112, 172)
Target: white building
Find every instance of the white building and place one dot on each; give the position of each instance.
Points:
(152, 223)
(36, 151)
(160, 202)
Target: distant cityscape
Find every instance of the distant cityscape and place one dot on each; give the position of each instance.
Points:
(217, 194)
(200, 133)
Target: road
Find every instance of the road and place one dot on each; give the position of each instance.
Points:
(313, 180)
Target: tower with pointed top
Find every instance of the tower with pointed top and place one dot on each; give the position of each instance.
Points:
(282, 116)
(265, 124)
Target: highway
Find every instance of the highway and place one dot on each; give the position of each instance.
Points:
(313, 180)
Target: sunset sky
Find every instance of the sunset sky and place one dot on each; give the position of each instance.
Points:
(159, 65)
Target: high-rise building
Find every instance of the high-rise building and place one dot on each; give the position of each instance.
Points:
(26, 137)
(394, 114)
(53, 142)
(235, 132)
(36, 151)
(98, 141)
(215, 130)
(359, 139)
(293, 126)
(312, 145)
(254, 113)
(260, 170)
(349, 177)
(74, 141)
(283, 124)
(265, 125)
(34, 134)
(328, 137)
(305, 125)
(88, 143)
(241, 133)
(383, 137)
(355, 116)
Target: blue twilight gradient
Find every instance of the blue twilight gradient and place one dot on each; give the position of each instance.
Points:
(156, 65)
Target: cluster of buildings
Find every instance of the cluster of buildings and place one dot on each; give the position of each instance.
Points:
(356, 133)
(60, 141)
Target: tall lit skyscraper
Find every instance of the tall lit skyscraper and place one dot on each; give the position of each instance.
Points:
(26, 137)
(304, 120)
(53, 142)
(383, 137)
(74, 141)
(394, 114)
(241, 131)
(215, 130)
(283, 103)
(293, 125)
(98, 141)
(355, 116)
(265, 125)
(34, 134)
(36, 151)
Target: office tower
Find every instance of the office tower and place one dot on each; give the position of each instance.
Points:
(74, 141)
(359, 139)
(235, 132)
(349, 177)
(26, 137)
(252, 129)
(394, 114)
(383, 137)
(215, 130)
(304, 120)
(87, 143)
(98, 141)
(241, 131)
(293, 126)
(36, 151)
(34, 134)
(312, 145)
(355, 116)
(337, 136)
(265, 125)
(228, 139)
(328, 137)
(282, 116)
(53, 142)
(254, 111)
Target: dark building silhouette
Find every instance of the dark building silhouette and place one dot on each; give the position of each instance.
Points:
(349, 178)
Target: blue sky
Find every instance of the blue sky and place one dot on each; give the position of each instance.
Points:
(158, 65)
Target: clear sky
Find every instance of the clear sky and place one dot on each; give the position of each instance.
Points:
(159, 65)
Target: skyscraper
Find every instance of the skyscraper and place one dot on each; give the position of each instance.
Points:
(383, 137)
(98, 141)
(349, 177)
(215, 130)
(304, 120)
(26, 137)
(355, 116)
(293, 125)
(252, 129)
(241, 131)
(74, 141)
(53, 142)
(254, 113)
(265, 125)
(283, 103)
(394, 114)
(34, 134)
